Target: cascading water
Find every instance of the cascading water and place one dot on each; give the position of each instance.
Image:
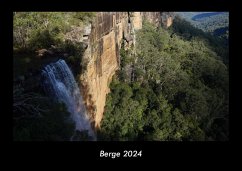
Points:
(59, 83)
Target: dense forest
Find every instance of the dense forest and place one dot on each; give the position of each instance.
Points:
(172, 86)
(175, 87)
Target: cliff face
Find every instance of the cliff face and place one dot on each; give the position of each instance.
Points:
(102, 56)
(103, 38)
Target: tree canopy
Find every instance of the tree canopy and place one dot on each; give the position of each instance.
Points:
(178, 89)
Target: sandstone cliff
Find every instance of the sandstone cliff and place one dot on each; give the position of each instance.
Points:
(103, 38)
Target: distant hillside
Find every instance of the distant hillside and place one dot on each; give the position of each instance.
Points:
(188, 15)
(204, 15)
(216, 23)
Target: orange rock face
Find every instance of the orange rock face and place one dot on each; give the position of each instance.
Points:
(103, 60)
(102, 56)
(169, 22)
(137, 20)
(97, 77)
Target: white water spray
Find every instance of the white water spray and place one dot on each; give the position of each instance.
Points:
(59, 83)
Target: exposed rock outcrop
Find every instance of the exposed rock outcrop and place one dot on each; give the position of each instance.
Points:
(103, 38)
(167, 18)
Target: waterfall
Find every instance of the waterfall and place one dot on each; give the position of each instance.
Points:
(59, 83)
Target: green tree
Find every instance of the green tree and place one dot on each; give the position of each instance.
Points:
(179, 91)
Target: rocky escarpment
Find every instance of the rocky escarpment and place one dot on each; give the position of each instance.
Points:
(103, 40)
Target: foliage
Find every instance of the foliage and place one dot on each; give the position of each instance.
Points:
(175, 87)
(75, 50)
(36, 118)
(84, 16)
(35, 30)
(179, 90)
(208, 22)
(215, 27)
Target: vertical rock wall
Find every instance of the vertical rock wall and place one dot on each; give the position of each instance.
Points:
(108, 29)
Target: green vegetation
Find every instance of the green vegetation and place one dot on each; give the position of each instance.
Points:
(208, 21)
(175, 88)
(33, 30)
(39, 39)
(37, 118)
(186, 31)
